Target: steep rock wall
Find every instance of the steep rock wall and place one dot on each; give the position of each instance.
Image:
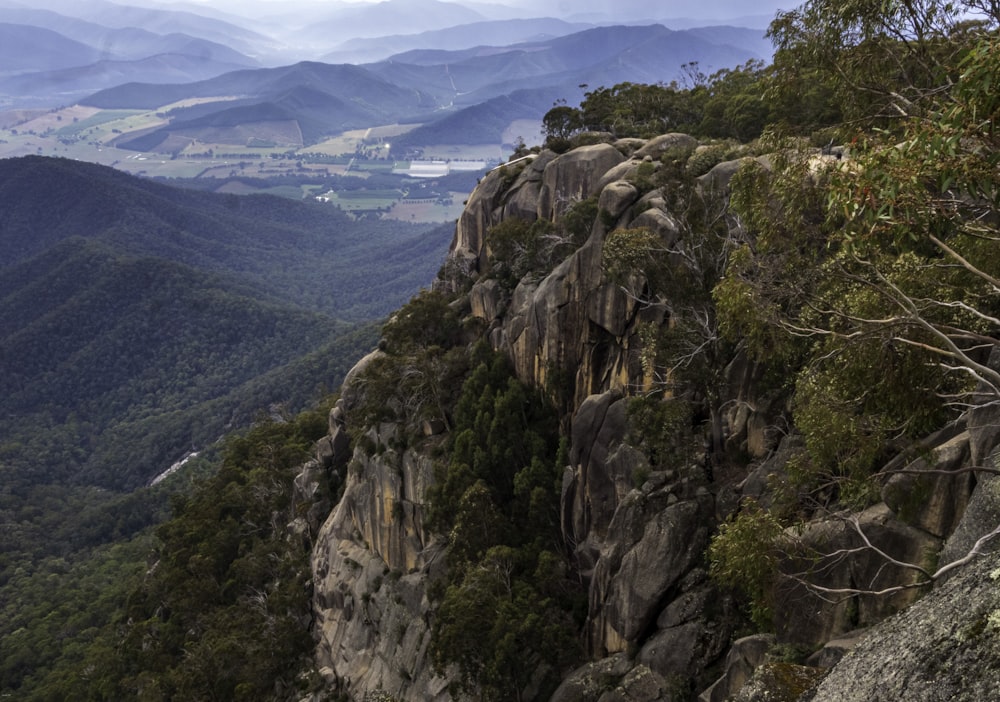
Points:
(637, 535)
(639, 547)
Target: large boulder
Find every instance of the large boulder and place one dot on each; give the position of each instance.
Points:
(944, 647)
(932, 492)
(660, 536)
(618, 679)
(840, 570)
(744, 657)
(693, 630)
(574, 176)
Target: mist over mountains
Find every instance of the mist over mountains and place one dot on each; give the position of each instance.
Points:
(56, 53)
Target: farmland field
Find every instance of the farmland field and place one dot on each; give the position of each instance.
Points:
(259, 165)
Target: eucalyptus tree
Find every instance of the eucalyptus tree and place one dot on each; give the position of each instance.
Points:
(876, 276)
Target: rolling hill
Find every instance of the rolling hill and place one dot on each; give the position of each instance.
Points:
(119, 43)
(597, 56)
(48, 57)
(304, 252)
(387, 17)
(462, 36)
(79, 81)
(320, 99)
(139, 321)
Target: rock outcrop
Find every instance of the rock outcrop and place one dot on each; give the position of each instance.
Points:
(656, 627)
(371, 565)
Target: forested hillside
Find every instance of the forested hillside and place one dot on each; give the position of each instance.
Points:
(139, 324)
(703, 395)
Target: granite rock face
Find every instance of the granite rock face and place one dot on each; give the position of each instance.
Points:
(944, 647)
(656, 627)
(371, 563)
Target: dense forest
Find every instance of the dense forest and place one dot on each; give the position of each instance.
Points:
(853, 265)
(139, 324)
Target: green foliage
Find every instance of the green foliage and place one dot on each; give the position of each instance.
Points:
(781, 209)
(743, 556)
(129, 362)
(419, 374)
(561, 122)
(875, 279)
(504, 612)
(636, 110)
(301, 253)
(70, 556)
(733, 103)
(427, 320)
(708, 156)
(515, 249)
(518, 249)
(664, 430)
(874, 60)
(672, 276)
(54, 611)
(220, 615)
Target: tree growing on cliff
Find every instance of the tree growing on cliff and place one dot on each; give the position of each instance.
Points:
(876, 277)
(503, 615)
(671, 276)
(731, 103)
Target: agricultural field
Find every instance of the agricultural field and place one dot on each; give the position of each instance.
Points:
(422, 211)
(334, 169)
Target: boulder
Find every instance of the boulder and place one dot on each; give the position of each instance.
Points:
(629, 145)
(718, 177)
(626, 170)
(932, 492)
(657, 146)
(616, 197)
(617, 679)
(660, 223)
(659, 539)
(744, 657)
(779, 682)
(643, 685)
(594, 485)
(589, 682)
(486, 299)
(981, 516)
(574, 176)
(833, 651)
(944, 647)
(832, 555)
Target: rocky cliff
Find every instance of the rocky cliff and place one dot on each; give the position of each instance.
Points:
(635, 523)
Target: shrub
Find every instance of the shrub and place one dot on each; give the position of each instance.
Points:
(743, 556)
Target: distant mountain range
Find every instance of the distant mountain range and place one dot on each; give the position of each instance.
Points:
(461, 96)
(58, 53)
(455, 81)
(464, 36)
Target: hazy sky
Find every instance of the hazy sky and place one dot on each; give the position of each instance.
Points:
(659, 8)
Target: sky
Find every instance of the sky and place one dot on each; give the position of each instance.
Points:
(719, 9)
